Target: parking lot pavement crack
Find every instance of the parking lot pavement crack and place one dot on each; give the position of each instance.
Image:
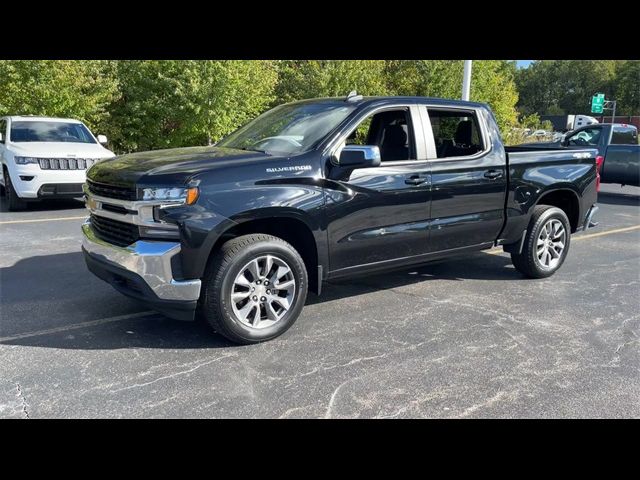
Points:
(487, 403)
(24, 401)
(173, 375)
(334, 395)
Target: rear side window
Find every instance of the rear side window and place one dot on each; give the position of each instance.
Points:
(624, 136)
(3, 130)
(455, 133)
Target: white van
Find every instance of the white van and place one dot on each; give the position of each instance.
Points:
(44, 157)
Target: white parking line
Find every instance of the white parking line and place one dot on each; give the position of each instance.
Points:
(35, 220)
(498, 250)
(75, 326)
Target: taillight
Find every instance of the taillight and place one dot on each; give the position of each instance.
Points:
(599, 162)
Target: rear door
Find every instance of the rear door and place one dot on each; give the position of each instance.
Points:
(468, 178)
(622, 159)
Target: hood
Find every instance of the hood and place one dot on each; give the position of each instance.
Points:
(60, 150)
(168, 167)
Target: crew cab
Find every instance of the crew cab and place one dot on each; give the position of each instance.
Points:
(618, 150)
(321, 189)
(44, 157)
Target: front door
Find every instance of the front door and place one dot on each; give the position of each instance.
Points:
(378, 215)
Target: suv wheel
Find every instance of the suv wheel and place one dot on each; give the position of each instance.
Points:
(15, 203)
(254, 289)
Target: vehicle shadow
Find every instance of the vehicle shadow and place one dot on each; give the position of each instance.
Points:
(610, 198)
(62, 296)
(46, 205)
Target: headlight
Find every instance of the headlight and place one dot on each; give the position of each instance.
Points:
(25, 160)
(182, 195)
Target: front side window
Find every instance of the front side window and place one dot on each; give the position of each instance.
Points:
(289, 129)
(455, 133)
(3, 130)
(390, 131)
(37, 131)
(586, 138)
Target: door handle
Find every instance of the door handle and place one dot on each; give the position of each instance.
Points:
(416, 179)
(492, 174)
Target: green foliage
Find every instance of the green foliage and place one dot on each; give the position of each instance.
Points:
(558, 87)
(491, 82)
(150, 104)
(59, 88)
(173, 103)
(300, 79)
(627, 87)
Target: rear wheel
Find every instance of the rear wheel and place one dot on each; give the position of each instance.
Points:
(254, 289)
(546, 244)
(14, 202)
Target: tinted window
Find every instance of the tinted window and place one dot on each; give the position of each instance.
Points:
(50, 132)
(588, 137)
(624, 136)
(3, 130)
(456, 133)
(391, 131)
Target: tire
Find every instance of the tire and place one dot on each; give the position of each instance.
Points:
(545, 219)
(230, 272)
(14, 202)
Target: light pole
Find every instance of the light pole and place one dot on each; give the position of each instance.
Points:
(466, 80)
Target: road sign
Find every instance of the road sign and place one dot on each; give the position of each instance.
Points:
(597, 103)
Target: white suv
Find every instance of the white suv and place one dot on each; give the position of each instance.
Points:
(46, 157)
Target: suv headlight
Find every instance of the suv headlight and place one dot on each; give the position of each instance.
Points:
(25, 160)
(182, 195)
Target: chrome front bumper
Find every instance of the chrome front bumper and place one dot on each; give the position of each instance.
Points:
(148, 259)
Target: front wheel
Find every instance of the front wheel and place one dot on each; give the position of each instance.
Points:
(15, 203)
(546, 244)
(254, 288)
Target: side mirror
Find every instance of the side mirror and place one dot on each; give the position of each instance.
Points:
(102, 139)
(359, 156)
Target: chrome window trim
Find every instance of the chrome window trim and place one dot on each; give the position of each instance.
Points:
(482, 124)
(416, 121)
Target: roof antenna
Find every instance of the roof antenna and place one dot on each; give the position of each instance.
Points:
(353, 96)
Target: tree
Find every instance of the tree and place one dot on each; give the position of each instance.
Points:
(173, 103)
(564, 86)
(492, 82)
(81, 89)
(300, 79)
(627, 88)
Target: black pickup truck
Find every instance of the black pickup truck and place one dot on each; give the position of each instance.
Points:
(617, 145)
(322, 189)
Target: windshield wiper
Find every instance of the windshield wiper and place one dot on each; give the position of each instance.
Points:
(254, 150)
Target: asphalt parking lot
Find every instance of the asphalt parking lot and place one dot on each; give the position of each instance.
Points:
(462, 338)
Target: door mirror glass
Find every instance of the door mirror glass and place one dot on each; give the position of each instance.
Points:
(359, 156)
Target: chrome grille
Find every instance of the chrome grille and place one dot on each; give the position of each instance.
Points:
(66, 163)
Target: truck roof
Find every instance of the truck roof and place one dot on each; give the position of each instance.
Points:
(362, 101)
(36, 118)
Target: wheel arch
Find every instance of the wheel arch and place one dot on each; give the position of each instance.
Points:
(566, 200)
(288, 224)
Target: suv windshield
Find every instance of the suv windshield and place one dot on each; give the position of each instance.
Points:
(289, 129)
(50, 132)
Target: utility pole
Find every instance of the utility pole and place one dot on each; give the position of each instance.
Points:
(466, 80)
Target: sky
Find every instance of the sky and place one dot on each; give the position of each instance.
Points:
(523, 63)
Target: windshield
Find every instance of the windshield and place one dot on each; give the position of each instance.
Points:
(50, 132)
(289, 129)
